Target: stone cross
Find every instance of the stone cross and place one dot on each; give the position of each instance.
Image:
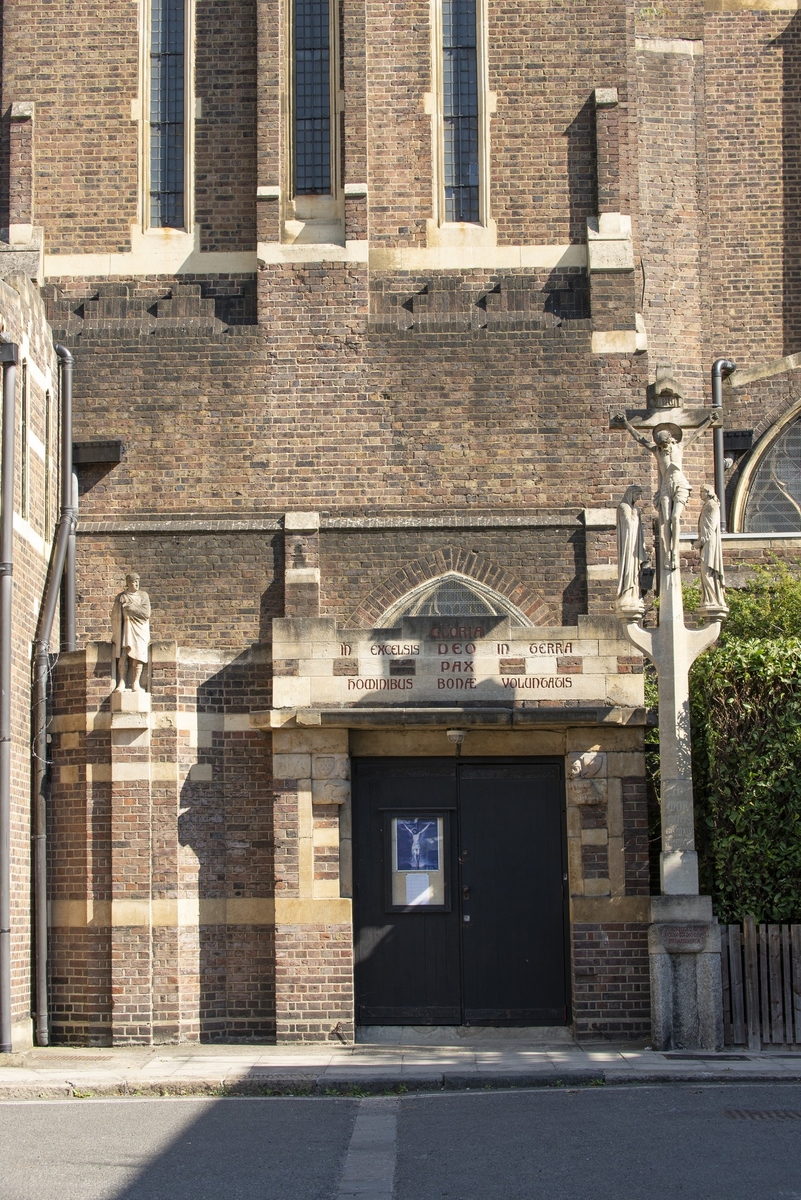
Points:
(665, 430)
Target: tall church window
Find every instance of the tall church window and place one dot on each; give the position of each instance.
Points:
(167, 114)
(313, 74)
(460, 110)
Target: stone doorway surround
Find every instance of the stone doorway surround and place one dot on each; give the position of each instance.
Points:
(316, 727)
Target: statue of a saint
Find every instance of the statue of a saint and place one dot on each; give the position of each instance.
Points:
(710, 544)
(674, 486)
(130, 625)
(631, 555)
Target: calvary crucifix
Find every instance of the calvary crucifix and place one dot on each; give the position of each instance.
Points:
(665, 430)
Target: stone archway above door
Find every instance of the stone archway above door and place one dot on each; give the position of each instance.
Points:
(451, 579)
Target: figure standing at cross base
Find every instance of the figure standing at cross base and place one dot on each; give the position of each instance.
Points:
(631, 554)
(710, 545)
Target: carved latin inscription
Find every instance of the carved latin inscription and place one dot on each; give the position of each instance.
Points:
(444, 661)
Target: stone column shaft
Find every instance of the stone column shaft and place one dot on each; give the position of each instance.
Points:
(131, 870)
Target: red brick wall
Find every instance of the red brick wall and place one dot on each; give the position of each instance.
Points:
(672, 214)
(225, 133)
(202, 832)
(752, 98)
(314, 978)
(215, 589)
(611, 986)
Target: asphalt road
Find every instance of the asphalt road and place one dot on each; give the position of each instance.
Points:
(632, 1143)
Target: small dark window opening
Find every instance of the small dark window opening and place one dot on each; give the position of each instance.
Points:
(167, 113)
(312, 98)
(460, 109)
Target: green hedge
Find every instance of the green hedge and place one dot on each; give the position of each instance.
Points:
(745, 698)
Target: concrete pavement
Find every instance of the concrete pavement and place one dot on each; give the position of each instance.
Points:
(488, 1059)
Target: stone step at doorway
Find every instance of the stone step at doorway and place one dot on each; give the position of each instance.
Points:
(539, 1037)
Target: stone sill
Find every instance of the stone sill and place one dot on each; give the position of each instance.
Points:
(488, 718)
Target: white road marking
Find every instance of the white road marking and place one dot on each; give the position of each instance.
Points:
(369, 1170)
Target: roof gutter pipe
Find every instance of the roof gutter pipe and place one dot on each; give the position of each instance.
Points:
(41, 671)
(9, 355)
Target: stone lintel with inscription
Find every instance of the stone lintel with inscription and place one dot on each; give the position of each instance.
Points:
(684, 939)
(464, 661)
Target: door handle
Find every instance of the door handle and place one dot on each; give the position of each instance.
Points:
(466, 893)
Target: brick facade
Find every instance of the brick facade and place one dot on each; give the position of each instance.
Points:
(311, 428)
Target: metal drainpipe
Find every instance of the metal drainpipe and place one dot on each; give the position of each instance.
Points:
(721, 367)
(68, 584)
(9, 354)
(41, 671)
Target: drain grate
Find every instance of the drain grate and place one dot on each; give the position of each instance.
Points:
(672, 1055)
(57, 1061)
(763, 1114)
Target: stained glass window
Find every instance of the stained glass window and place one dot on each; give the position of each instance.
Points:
(774, 497)
(451, 598)
(460, 109)
(312, 98)
(167, 113)
(452, 595)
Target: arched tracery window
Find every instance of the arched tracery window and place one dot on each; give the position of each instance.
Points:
(772, 488)
(451, 595)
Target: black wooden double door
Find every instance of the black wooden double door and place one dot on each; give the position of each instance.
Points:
(459, 873)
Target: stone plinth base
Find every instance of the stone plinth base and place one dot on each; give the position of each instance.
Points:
(684, 952)
(130, 702)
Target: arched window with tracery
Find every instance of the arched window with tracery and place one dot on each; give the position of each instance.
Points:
(451, 595)
(770, 492)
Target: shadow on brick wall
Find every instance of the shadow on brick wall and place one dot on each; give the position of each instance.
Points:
(581, 170)
(226, 821)
(574, 596)
(5, 155)
(272, 599)
(790, 42)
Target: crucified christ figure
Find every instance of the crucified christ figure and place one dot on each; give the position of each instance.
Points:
(674, 486)
(416, 836)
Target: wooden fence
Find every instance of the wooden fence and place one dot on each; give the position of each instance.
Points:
(761, 967)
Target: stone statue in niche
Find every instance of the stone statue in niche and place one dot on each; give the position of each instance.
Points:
(631, 556)
(130, 626)
(668, 448)
(710, 545)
